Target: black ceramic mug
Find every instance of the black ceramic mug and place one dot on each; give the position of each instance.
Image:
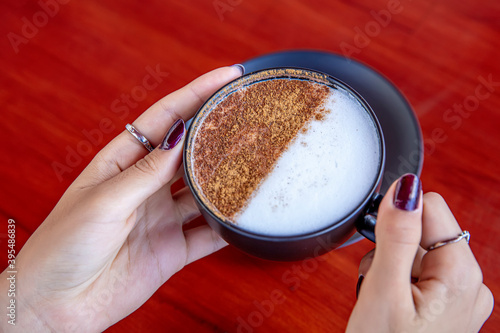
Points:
(296, 247)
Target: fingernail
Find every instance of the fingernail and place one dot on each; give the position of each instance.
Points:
(358, 285)
(173, 136)
(407, 194)
(240, 67)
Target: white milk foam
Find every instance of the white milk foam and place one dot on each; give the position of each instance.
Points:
(322, 176)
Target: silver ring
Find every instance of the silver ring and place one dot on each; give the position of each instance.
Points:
(138, 135)
(465, 234)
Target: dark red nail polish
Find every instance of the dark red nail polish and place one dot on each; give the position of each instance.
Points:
(358, 285)
(407, 194)
(173, 136)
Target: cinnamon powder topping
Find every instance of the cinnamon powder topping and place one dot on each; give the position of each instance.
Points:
(240, 141)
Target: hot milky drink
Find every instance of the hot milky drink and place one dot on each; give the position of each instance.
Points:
(285, 156)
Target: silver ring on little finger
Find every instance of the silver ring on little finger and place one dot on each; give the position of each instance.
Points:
(464, 235)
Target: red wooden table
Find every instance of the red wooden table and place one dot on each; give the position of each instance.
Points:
(65, 66)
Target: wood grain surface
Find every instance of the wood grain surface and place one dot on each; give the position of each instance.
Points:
(65, 66)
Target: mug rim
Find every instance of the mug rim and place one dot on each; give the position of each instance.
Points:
(284, 72)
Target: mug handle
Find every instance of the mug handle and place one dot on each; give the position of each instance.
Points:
(366, 224)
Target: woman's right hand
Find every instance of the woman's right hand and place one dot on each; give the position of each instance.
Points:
(447, 293)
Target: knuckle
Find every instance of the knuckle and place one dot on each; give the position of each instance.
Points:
(401, 233)
(464, 278)
(165, 105)
(149, 165)
(488, 300)
(475, 278)
(472, 275)
(169, 109)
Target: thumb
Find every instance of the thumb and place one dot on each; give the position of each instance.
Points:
(138, 182)
(398, 233)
